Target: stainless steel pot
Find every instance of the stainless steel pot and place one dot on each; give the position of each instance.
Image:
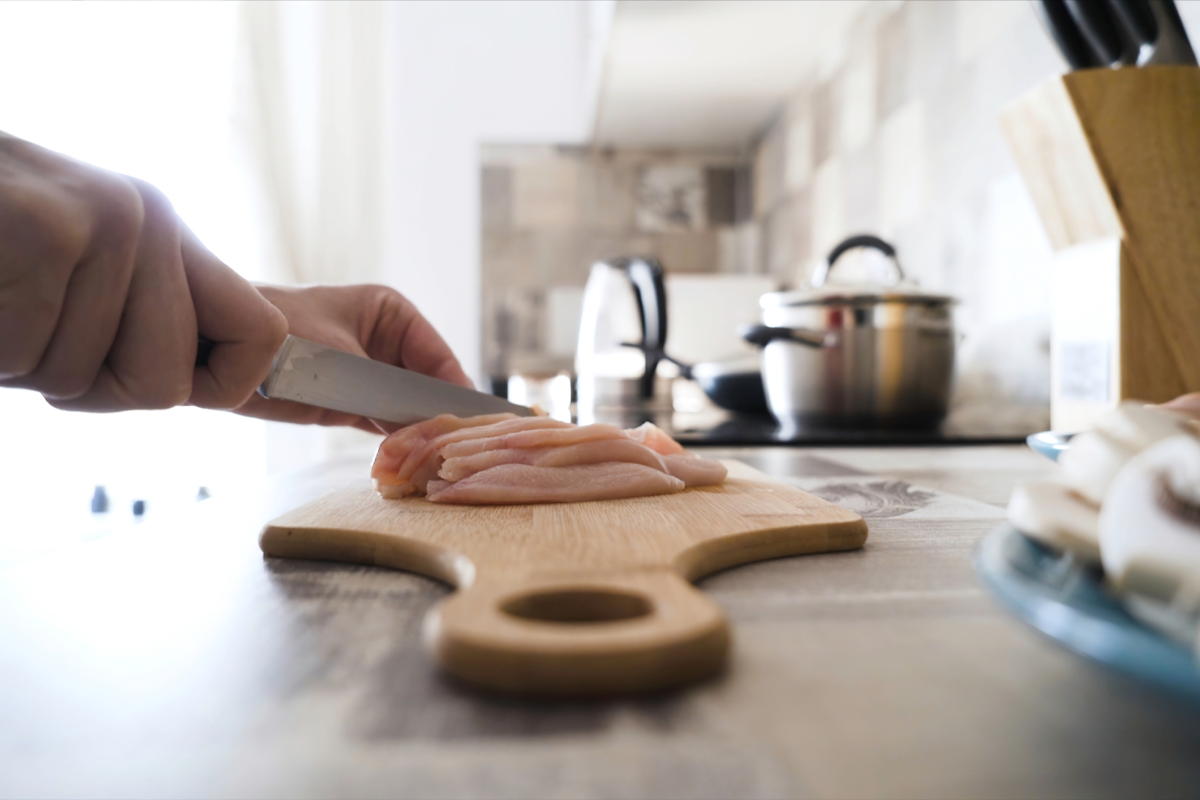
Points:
(882, 357)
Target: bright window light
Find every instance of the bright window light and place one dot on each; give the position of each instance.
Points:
(147, 89)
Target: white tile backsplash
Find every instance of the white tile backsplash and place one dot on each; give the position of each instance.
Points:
(828, 205)
(902, 167)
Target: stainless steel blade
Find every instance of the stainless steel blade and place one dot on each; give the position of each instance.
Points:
(316, 375)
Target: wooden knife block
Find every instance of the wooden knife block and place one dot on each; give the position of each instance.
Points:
(1112, 161)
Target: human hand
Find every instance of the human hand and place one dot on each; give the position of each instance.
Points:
(104, 291)
(1186, 404)
(372, 321)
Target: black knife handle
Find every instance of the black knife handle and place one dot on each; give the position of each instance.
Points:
(1098, 27)
(1138, 18)
(1062, 29)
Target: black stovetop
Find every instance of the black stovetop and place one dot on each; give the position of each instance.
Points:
(738, 430)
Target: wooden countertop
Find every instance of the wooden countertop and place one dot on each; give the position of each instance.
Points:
(173, 660)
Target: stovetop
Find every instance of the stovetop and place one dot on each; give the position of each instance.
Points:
(731, 430)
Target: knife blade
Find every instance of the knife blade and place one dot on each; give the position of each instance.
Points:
(316, 375)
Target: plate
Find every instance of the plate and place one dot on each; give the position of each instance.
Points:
(1050, 444)
(1068, 601)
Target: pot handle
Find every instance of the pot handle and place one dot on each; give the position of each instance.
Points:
(762, 335)
(861, 240)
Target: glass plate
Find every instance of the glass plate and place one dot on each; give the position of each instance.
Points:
(1067, 601)
(1049, 443)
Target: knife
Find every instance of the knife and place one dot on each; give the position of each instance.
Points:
(1062, 29)
(1139, 21)
(1172, 45)
(316, 375)
(1156, 31)
(1099, 28)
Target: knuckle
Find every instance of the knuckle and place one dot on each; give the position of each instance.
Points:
(30, 321)
(163, 394)
(384, 293)
(49, 232)
(153, 200)
(276, 327)
(122, 211)
(63, 385)
(229, 396)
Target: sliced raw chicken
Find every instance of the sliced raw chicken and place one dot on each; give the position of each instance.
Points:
(655, 438)
(414, 459)
(437, 456)
(395, 449)
(547, 437)
(425, 462)
(598, 452)
(696, 471)
(510, 484)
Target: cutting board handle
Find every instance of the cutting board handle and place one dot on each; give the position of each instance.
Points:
(594, 633)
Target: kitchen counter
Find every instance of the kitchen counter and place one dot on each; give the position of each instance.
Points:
(172, 659)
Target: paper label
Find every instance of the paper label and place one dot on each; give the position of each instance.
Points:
(1083, 371)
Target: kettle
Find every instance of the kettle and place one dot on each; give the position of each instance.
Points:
(622, 333)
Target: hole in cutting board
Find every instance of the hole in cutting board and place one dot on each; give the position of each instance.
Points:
(578, 605)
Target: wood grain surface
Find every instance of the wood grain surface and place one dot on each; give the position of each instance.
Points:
(573, 598)
(173, 660)
(1115, 153)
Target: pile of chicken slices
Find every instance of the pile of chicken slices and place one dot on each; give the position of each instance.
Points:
(503, 459)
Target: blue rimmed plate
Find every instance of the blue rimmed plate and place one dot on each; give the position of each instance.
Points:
(1050, 444)
(1067, 601)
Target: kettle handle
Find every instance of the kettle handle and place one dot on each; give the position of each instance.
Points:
(860, 240)
(646, 275)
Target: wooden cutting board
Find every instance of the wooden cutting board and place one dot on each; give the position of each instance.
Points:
(573, 598)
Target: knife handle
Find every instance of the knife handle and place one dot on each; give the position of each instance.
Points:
(1062, 29)
(1099, 28)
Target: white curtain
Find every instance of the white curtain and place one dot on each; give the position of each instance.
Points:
(309, 118)
(310, 115)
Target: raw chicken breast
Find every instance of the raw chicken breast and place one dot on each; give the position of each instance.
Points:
(653, 437)
(414, 459)
(506, 459)
(556, 437)
(696, 471)
(396, 448)
(456, 468)
(510, 484)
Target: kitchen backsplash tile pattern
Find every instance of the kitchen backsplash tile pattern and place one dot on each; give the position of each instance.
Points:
(898, 138)
(550, 212)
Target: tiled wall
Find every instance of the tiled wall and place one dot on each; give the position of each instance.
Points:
(898, 137)
(901, 139)
(548, 213)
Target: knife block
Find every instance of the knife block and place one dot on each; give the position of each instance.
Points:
(1111, 159)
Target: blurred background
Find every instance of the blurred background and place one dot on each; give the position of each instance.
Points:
(480, 156)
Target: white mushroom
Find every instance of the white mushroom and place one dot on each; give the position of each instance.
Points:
(1056, 515)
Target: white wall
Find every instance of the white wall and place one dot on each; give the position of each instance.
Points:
(463, 73)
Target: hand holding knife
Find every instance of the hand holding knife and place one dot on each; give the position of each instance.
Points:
(316, 375)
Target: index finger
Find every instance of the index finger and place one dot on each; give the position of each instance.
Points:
(244, 329)
(418, 346)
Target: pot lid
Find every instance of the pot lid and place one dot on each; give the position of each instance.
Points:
(818, 291)
(904, 292)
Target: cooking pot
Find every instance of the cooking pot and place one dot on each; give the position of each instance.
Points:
(857, 356)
